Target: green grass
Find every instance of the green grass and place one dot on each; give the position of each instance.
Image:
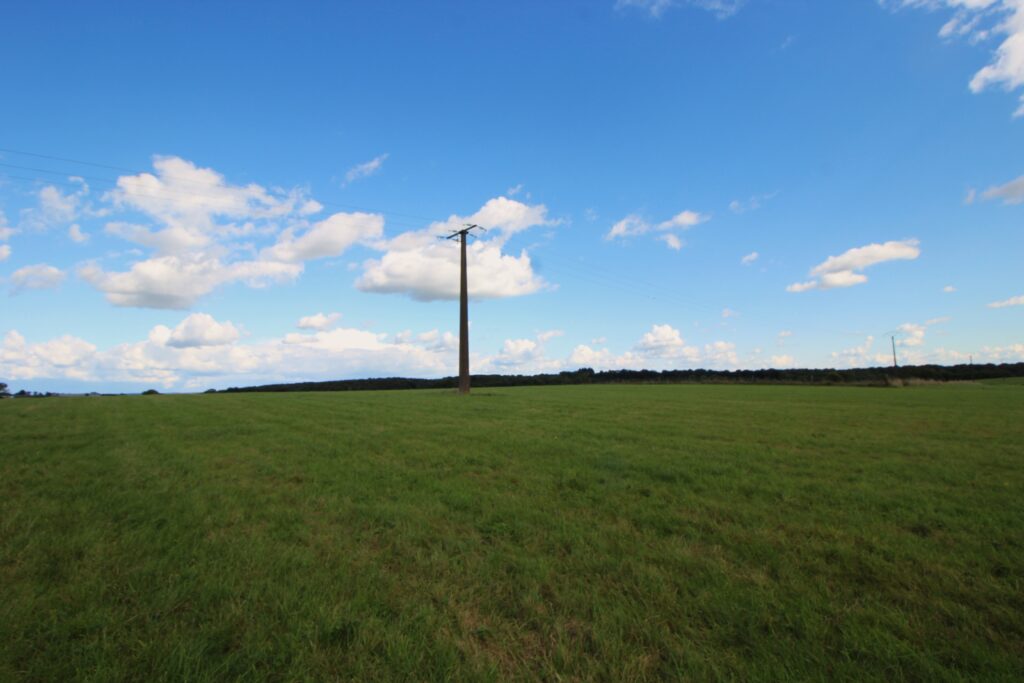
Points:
(593, 533)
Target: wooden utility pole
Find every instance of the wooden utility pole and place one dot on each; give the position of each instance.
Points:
(463, 308)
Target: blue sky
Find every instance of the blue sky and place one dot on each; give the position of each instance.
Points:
(202, 195)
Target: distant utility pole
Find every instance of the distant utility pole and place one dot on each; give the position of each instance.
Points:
(894, 352)
(463, 308)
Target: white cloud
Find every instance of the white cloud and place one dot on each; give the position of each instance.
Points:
(912, 334)
(971, 195)
(201, 329)
(722, 9)
(949, 289)
(549, 335)
(979, 20)
(319, 321)
(783, 361)
(201, 352)
(662, 340)
(729, 313)
(514, 190)
(39, 276)
(634, 225)
(672, 241)
(329, 237)
(1012, 301)
(418, 264)
(721, 354)
(176, 282)
(857, 356)
(196, 207)
(629, 226)
(1011, 193)
(684, 220)
(6, 231)
(365, 169)
(841, 271)
(749, 258)
(5, 252)
(204, 233)
(76, 234)
(662, 347)
(54, 207)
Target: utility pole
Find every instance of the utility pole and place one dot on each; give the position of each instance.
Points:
(894, 352)
(463, 308)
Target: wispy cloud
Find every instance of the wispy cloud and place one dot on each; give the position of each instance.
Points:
(365, 169)
(1012, 301)
(723, 9)
(634, 225)
(1011, 192)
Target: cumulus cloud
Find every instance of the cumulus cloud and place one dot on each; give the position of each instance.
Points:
(329, 237)
(663, 341)
(949, 289)
(319, 321)
(421, 266)
(1012, 301)
(205, 232)
(198, 329)
(176, 282)
(5, 252)
(843, 270)
(783, 361)
(201, 351)
(523, 356)
(912, 334)
(859, 356)
(661, 347)
(749, 258)
(365, 169)
(39, 276)
(979, 20)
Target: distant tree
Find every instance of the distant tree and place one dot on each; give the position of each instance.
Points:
(3, 390)
(150, 392)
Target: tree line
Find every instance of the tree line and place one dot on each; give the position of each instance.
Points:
(877, 376)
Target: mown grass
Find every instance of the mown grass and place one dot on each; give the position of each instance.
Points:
(560, 533)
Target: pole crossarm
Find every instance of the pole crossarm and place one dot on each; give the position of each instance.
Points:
(466, 231)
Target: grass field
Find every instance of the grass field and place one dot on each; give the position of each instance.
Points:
(563, 533)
